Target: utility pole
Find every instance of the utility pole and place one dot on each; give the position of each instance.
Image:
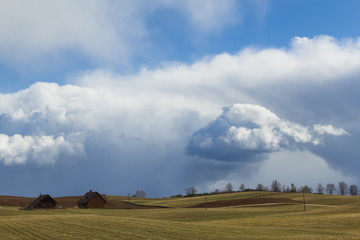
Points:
(304, 200)
(205, 203)
(129, 200)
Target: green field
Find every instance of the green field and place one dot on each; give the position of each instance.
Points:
(327, 217)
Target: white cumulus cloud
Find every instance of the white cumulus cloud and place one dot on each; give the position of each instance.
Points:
(18, 149)
(149, 116)
(328, 129)
(104, 31)
(245, 130)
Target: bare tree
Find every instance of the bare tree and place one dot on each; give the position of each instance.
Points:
(305, 189)
(140, 194)
(275, 186)
(260, 187)
(242, 187)
(343, 187)
(229, 187)
(293, 188)
(330, 188)
(353, 190)
(191, 191)
(320, 188)
(216, 191)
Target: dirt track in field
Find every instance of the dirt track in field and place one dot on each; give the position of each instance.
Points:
(246, 201)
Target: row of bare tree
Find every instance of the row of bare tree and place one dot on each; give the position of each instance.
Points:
(330, 188)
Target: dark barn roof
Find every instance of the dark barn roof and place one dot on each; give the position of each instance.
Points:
(89, 195)
(104, 197)
(40, 199)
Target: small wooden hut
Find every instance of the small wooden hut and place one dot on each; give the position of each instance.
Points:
(43, 202)
(92, 200)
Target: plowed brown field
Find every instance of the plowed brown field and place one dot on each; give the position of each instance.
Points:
(12, 201)
(246, 201)
(70, 202)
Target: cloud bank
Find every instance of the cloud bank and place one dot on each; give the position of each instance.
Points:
(42, 150)
(301, 168)
(107, 32)
(135, 125)
(243, 131)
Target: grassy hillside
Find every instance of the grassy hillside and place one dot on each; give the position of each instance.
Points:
(189, 201)
(182, 202)
(327, 217)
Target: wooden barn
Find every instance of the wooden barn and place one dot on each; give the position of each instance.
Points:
(92, 200)
(43, 202)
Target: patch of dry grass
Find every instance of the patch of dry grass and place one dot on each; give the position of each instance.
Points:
(320, 221)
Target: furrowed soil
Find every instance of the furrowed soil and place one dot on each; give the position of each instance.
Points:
(326, 217)
(247, 201)
(12, 201)
(70, 202)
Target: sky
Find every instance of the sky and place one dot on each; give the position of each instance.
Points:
(160, 95)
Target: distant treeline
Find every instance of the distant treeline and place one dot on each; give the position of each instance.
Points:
(342, 188)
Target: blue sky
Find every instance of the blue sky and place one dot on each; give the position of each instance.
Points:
(159, 95)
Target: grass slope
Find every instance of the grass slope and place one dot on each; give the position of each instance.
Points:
(327, 217)
(187, 202)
